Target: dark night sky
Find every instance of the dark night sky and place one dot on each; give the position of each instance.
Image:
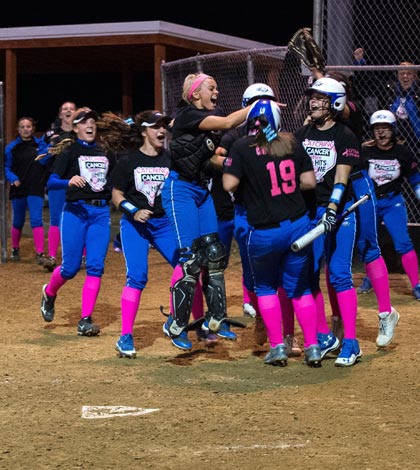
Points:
(249, 23)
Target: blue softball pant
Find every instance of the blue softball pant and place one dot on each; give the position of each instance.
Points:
(56, 200)
(35, 205)
(367, 222)
(274, 264)
(241, 233)
(392, 210)
(225, 230)
(190, 210)
(336, 250)
(136, 238)
(84, 225)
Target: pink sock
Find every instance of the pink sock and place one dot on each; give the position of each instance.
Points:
(305, 309)
(270, 311)
(90, 293)
(321, 319)
(56, 282)
(53, 240)
(411, 267)
(38, 235)
(347, 300)
(245, 292)
(198, 304)
(130, 301)
(377, 273)
(16, 236)
(287, 312)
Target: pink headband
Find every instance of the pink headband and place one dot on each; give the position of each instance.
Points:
(196, 83)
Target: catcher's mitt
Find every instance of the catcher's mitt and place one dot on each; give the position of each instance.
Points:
(304, 46)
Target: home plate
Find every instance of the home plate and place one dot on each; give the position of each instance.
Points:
(98, 412)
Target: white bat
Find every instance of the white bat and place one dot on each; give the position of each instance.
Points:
(317, 231)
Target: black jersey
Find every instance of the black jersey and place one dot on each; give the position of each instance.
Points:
(32, 175)
(271, 185)
(140, 177)
(89, 161)
(387, 168)
(327, 149)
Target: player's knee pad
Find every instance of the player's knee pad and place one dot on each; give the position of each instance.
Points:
(182, 293)
(215, 293)
(212, 252)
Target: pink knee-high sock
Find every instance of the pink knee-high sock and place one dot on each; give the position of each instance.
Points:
(198, 303)
(130, 301)
(347, 300)
(287, 312)
(245, 292)
(270, 311)
(305, 309)
(377, 273)
(410, 264)
(56, 282)
(53, 240)
(90, 293)
(38, 236)
(16, 236)
(332, 295)
(321, 319)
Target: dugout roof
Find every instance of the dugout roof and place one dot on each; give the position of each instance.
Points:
(127, 47)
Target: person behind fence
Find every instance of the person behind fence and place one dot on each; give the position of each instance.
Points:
(273, 179)
(27, 180)
(335, 151)
(188, 204)
(83, 168)
(62, 129)
(388, 163)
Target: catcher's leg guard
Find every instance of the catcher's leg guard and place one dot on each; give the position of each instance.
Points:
(182, 294)
(213, 259)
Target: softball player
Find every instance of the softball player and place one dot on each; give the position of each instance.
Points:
(272, 179)
(27, 185)
(190, 208)
(57, 197)
(83, 168)
(334, 150)
(388, 163)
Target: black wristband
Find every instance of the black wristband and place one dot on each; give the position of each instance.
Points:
(127, 208)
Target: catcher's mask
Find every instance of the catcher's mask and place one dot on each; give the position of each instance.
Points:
(331, 88)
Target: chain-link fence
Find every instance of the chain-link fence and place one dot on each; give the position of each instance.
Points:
(386, 30)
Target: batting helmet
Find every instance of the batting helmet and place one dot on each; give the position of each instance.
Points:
(257, 91)
(383, 116)
(333, 89)
(264, 113)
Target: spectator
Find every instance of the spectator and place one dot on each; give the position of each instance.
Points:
(83, 169)
(27, 180)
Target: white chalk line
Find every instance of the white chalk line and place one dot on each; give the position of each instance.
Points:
(100, 412)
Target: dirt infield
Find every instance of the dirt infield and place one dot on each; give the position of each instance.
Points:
(219, 408)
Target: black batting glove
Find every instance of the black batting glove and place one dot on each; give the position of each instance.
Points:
(329, 219)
